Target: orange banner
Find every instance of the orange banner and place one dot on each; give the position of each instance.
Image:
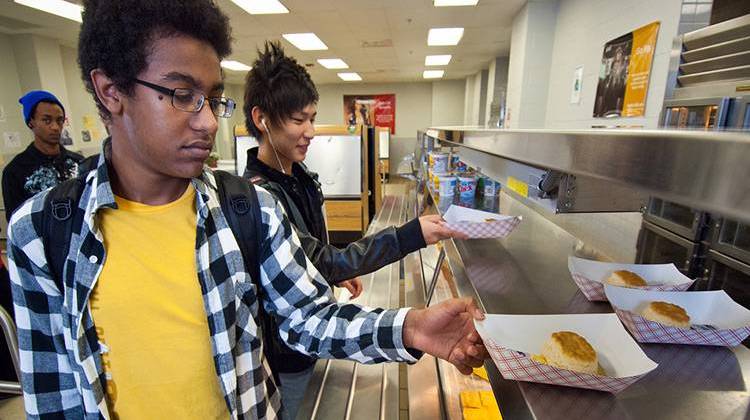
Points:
(639, 70)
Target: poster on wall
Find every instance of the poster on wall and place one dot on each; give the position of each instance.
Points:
(371, 110)
(624, 73)
(575, 93)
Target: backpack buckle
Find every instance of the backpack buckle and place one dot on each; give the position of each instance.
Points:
(240, 204)
(61, 210)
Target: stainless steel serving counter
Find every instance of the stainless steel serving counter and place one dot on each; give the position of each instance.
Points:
(527, 273)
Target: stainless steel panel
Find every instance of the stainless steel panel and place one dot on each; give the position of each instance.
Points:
(527, 273)
(687, 222)
(660, 246)
(733, 276)
(424, 391)
(576, 193)
(739, 72)
(717, 63)
(731, 238)
(334, 392)
(717, 50)
(718, 33)
(705, 170)
(728, 88)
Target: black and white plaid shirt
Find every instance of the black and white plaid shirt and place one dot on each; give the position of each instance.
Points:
(61, 363)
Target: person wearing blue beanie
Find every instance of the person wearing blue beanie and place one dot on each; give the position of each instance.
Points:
(45, 162)
(30, 101)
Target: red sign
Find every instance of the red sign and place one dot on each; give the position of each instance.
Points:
(371, 110)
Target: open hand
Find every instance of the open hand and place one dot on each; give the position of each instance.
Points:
(447, 331)
(435, 229)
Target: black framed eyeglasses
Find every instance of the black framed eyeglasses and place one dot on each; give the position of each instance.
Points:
(191, 101)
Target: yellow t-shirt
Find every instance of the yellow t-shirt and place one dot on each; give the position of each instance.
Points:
(148, 311)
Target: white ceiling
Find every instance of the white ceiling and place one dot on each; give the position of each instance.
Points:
(344, 25)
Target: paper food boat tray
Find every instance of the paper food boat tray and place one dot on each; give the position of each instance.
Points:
(473, 222)
(512, 339)
(590, 276)
(731, 321)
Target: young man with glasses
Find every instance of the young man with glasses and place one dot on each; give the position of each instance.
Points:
(158, 315)
(45, 162)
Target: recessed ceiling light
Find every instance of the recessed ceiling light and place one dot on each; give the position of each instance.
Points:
(433, 74)
(56, 7)
(437, 60)
(443, 3)
(350, 77)
(261, 7)
(235, 65)
(333, 63)
(306, 42)
(444, 36)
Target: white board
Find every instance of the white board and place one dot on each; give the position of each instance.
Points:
(336, 159)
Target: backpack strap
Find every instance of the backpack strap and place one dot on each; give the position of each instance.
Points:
(239, 203)
(58, 218)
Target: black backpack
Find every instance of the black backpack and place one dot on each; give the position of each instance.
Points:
(239, 203)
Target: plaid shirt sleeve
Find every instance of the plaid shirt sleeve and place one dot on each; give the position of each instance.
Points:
(311, 321)
(49, 386)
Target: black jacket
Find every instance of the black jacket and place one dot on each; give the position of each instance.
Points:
(334, 264)
(302, 199)
(31, 171)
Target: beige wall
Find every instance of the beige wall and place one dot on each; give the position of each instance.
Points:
(11, 120)
(530, 63)
(81, 105)
(448, 102)
(418, 106)
(588, 28)
(413, 103)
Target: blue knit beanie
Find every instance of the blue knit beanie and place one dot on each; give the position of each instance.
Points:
(32, 98)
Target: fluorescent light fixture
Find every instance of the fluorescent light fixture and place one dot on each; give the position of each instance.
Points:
(306, 42)
(443, 3)
(437, 60)
(261, 7)
(433, 74)
(350, 77)
(444, 36)
(333, 63)
(56, 7)
(235, 65)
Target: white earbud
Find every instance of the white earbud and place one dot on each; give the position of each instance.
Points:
(270, 140)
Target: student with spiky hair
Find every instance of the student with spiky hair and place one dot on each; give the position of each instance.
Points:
(280, 109)
(154, 313)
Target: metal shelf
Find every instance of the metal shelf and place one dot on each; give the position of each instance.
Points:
(705, 170)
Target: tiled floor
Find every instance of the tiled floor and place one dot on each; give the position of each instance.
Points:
(12, 409)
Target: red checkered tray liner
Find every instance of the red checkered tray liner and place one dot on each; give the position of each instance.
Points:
(518, 366)
(497, 229)
(645, 331)
(594, 290)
